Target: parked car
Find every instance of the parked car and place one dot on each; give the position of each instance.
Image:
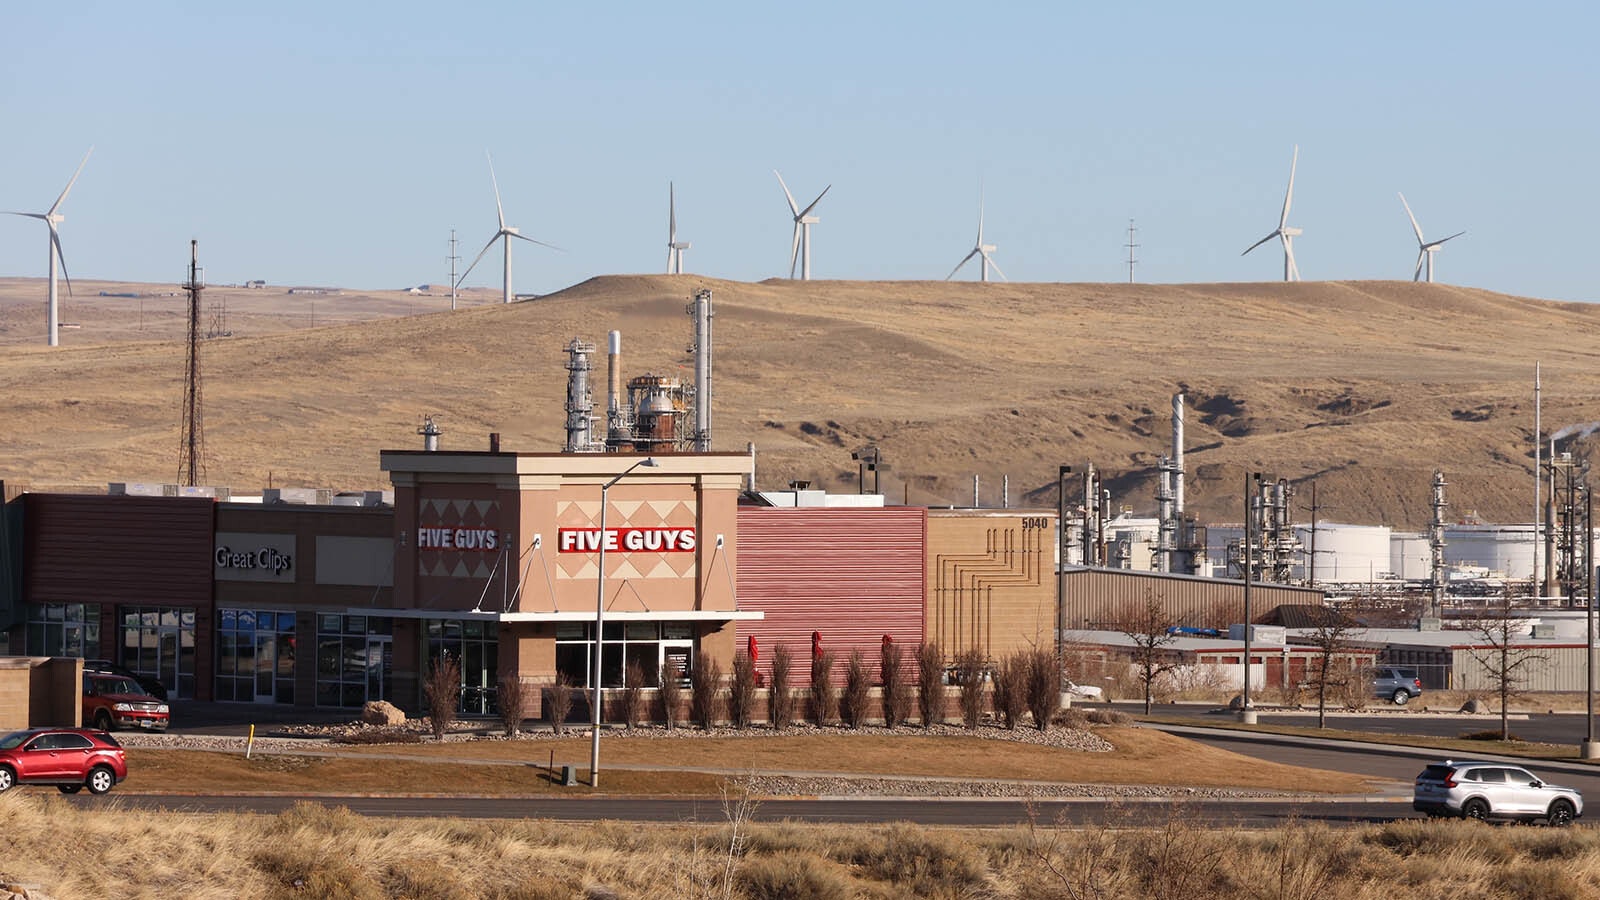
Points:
(1084, 691)
(110, 701)
(151, 684)
(1485, 790)
(68, 758)
(1397, 684)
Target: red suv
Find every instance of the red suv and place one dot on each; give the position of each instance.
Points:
(68, 758)
(110, 701)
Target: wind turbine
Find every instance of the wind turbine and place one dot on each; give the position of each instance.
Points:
(803, 220)
(675, 247)
(51, 219)
(506, 232)
(1284, 232)
(979, 249)
(1425, 249)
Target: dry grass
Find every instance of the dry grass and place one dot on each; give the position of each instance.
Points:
(1143, 757)
(332, 854)
(1367, 385)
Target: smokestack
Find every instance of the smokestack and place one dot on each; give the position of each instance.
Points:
(430, 434)
(1436, 547)
(701, 309)
(1177, 456)
(580, 406)
(750, 446)
(494, 442)
(613, 376)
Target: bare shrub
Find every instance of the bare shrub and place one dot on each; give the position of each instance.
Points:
(921, 862)
(670, 693)
(558, 703)
(780, 697)
(930, 683)
(1042, 685)
(824, 697)
(1109, 717)
(742, 690)
(969, 676)
(705, 691)
(896, 689)
(515, 698)
(630, 702)
(857, 690)
(1010, 689)
(441, 692)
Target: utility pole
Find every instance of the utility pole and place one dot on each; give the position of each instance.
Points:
(1131, 245)
(1314, 509)
(191, 467)
(453, 258)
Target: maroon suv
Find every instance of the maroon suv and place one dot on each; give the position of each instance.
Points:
(115, 701)
(68, 758)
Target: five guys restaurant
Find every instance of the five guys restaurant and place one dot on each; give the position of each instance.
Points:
(494, 559)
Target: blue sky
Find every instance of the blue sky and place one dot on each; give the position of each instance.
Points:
(339, 143)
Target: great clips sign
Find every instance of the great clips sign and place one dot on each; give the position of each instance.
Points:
(655, 540)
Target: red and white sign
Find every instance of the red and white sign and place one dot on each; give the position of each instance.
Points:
(484, 540)
(652, 540)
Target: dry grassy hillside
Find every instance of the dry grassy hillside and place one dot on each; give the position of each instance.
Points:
(1365, 386)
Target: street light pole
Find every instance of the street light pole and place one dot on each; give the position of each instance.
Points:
(1247, 713)
(599, 625)
(1061, 561)
(1590, 749)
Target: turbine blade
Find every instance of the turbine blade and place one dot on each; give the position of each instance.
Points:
(1417, 275)
(1262, 241)
(476, 258)
(532, 241)
(964, 260)
(55, 243)
(672, 214)
(1452, 237)
(1414, 226)
(996, 266)
(498, 211)
(1288, 196)
(670, 251)
(807, 210)
(794, 249)
(68, 188)
(29, 215)
(788, 196)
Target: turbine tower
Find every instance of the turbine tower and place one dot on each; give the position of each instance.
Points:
(51, 219)
(980, 249)
(1284, 232)
(675, 247)
(505, 233)
(800, 249)
(1425, 248)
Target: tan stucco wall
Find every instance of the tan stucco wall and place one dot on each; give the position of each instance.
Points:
(991, 581)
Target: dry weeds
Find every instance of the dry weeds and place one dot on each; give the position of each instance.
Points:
(331, 854)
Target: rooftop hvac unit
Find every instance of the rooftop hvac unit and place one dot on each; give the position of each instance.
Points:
(1544, 631)
(298, 496)
(195, 490)
(136, 489)
(1263, 634)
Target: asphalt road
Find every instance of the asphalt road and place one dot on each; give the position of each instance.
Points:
(1559, 728)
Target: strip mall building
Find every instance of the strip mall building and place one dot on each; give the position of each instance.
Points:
(495, 558)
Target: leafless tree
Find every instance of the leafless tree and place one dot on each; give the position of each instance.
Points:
(970, 671)
(896, 689)
(1505, 665)
(1041, 685)
(441, 690)
(670, 693)
(631, 699)
(742, 690)
(1010, 689)
(824, 697)
(930, 684)
(1331, 638)
(780, 696)
(857, 688)
(705, 691)
(559, 703)
(514, 699)
(1149, 626)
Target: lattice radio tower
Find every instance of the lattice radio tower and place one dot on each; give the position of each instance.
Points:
(1131, 245)
(191, 463)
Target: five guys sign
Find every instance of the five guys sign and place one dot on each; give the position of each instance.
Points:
(659, 540)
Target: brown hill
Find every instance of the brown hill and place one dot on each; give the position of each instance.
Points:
(1366, 387)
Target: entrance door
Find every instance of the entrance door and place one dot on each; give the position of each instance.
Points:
(679, 654)
(266, 665)
(378, 665)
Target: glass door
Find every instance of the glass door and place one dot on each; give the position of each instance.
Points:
(266, 662)
(679, 654)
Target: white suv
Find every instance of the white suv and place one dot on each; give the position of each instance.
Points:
(1488, 790)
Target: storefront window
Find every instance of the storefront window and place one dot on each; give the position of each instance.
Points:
(255, 655)
(354, 663)
(649, 645)
(476, 647)
(63, 629)
(159, 641)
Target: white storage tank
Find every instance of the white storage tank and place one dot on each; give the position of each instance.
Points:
(1504, 549)
(1409, 556)
(1346, 553)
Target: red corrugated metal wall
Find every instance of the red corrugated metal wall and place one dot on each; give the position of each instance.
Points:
(852, 574)
(122, 550)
